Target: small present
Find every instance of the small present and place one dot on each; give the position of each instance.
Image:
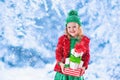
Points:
(72, 72)
(76, 54)
(74, 65)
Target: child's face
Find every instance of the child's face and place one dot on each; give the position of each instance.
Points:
(72, 29)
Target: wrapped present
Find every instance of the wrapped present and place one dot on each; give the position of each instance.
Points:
(75, 60)
(76, 54)
(73, 65)
(73, 69)
(72, 72)
(76, 65)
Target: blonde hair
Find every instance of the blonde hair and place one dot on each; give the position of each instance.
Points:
(80, 34)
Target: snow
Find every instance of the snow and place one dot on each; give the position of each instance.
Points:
(29, 31)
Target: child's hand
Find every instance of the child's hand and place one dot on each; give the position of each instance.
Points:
(62, 66)
(82, 71)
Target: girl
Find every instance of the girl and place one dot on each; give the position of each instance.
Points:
(72, 39)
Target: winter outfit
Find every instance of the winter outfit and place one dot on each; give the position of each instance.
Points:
(63, 51)
(77, 50)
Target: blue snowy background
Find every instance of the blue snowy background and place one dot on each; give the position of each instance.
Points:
(29, 30)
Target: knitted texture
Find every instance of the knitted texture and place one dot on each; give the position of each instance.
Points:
(73, 17)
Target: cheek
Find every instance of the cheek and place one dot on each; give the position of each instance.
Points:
(76, 29)
(68, 30)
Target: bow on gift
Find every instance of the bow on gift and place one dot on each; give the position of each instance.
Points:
(75, 57)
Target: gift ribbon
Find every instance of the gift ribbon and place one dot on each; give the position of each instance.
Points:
(66, 65)
(75, 59)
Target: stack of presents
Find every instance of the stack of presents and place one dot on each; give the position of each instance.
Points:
(73, 64)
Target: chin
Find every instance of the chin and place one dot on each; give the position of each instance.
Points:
(73, 35)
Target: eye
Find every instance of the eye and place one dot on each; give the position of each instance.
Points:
(74, 26)
(68, 27)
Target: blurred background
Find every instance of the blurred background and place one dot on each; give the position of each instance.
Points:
(29, 31)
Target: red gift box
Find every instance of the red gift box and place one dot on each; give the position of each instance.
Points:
(72, 72)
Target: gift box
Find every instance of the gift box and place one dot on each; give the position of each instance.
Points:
(76, 54)
(72, 72)
(73, 69)
(74, 65)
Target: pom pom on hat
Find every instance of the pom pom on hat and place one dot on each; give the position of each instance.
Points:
(73, 12)
(73, 17)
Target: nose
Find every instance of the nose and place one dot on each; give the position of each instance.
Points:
(72, 29)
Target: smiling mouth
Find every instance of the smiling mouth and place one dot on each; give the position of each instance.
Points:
(72, 32)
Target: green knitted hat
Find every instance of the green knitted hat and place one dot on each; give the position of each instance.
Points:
(73, 17)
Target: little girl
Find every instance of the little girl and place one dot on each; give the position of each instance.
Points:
(73, 39)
